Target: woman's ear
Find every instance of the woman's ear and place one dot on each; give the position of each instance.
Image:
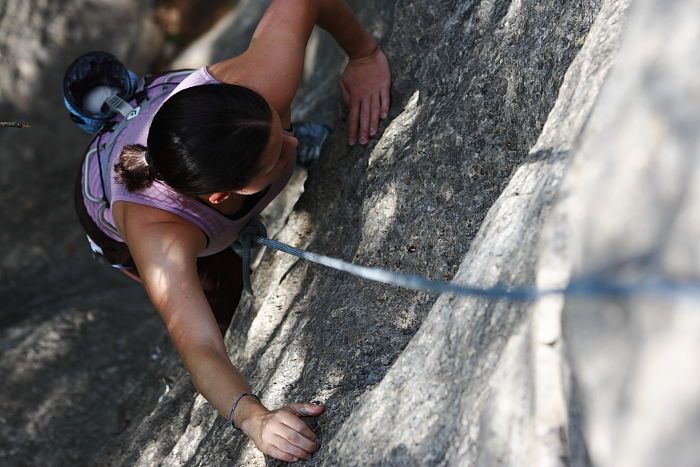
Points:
(218, 197)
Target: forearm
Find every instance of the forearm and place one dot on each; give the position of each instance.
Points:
(336, 17)
(220, 383)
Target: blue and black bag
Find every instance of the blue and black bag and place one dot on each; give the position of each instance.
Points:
(89, 71)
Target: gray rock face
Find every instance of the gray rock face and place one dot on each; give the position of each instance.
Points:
(465, 390)
(633, 203)
(76, 339)
(513, 154)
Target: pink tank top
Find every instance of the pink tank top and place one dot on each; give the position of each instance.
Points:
(219, 230)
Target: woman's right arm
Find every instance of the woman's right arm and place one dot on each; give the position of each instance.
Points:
(165, 251)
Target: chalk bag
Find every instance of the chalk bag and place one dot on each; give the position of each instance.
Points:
(95, 86)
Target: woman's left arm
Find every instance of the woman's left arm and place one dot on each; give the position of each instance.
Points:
(273, 64)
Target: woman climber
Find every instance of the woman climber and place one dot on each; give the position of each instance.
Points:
(166, 186)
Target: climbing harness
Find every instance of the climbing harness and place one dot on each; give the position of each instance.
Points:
(592, 286)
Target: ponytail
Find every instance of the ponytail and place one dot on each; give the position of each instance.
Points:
(135, 169)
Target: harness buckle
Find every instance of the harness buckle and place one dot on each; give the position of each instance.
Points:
(122, 107)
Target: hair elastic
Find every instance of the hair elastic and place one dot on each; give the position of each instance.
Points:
(147, 158)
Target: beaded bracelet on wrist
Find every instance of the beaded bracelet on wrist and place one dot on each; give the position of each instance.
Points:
(235, 404)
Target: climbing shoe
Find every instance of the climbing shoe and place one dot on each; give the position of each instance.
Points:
(312, 138)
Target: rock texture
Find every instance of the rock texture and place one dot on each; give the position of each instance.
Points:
(465, 390)
(527, 144)
(79, 344)
(632, 197)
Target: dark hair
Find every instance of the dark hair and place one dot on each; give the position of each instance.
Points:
(202, 140)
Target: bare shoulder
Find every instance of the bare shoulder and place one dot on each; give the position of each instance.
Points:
(246, 70)
(137, 222)
(274, 61)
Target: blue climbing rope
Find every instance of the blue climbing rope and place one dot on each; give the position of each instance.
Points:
(586, 286)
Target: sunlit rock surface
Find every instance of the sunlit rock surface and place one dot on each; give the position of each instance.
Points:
(528, 144)
(634, 196)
